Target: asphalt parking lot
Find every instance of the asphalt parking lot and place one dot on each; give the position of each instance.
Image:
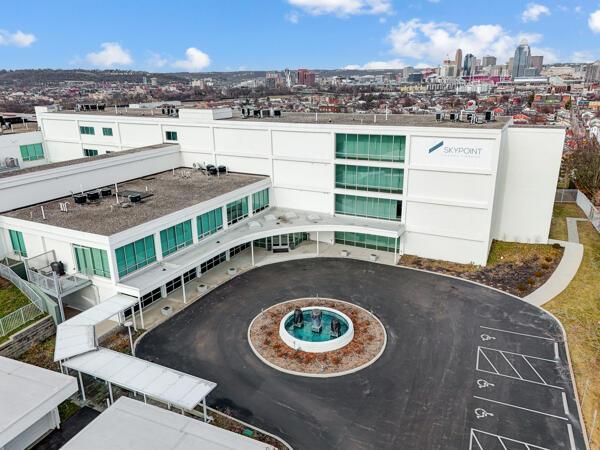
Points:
(465, 367)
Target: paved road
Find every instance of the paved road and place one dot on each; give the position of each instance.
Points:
(441, 368)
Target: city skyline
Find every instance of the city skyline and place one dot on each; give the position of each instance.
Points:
(392, 35)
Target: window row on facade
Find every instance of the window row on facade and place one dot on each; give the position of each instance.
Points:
(106, 131)
(372, 147)
(31, 152)
(366, 241)
(376, 179)
(375, 208)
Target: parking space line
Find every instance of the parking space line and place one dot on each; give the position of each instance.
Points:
(520, 407)
(480, 350)
(514, 332)
(571, 437)
(565, 404)
(501, 439)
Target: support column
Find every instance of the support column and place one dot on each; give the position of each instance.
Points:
(81, 385)
(395, 250)
(110, 392)
(252, 251)
(141, 312)
(204, 409)
(133, 318)
(317, 243)
(183, 289)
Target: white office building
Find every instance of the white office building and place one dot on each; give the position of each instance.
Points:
(124, 208)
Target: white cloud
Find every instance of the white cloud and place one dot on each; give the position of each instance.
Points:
(378, 65)
(533, 12)
(18, 38)
(195, 60)
(156, 60)
(431, 42)
(594, 21)
(343, 8)
(582, 56)
(292, 17)
(111, 55)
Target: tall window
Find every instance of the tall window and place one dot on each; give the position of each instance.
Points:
(136, 255)
(107, 132)
(32, 152)
(17, 242)
(365, 241)
(87, 130)
(237, 210)
(176, 237)
(90, 152)
(372, 147)
(260, 200)
(376, 208)
(210, 222)
(92, 261)
(171, 135)
(212, 262)
(378, 179)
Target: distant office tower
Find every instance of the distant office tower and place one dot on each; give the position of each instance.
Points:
(306, 77)
(458, 62)
(407, 71)
(488, 61)
(592, 72)
(469, 65)
(522, 59)
(510, 64)
(537, 62)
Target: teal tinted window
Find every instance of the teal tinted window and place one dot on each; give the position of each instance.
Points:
(107, 132)
(260, 200)
(87, 130)
(136, 255)
(32, 152)
(366, 241)
(376, 208)
(209, 222)
(171, 135)
(17, 242)
(370, 147)
(237, 210)
(92, 261)
(176, 237)
(377, 179)
(90, 152)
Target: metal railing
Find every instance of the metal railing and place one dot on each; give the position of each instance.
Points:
(19, 318)
(566, 196)
(578, 197)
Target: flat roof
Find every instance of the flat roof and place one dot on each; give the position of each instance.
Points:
(132, 425)
(397, 120)
(27, 393)
(402, 120)
(82, 160)
(170, 193)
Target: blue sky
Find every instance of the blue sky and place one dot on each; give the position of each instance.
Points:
(209, 35)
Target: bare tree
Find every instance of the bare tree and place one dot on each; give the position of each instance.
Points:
(584, 165)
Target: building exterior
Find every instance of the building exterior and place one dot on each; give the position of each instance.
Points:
(21, 150)
(538, 63)
(469, 65)
(306, 77)
(522, 59)
(401, 184)
(488, 61)
(592, 73)
(458, 62)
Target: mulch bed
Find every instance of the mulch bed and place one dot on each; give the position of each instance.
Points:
(368, 341)
(519, 278)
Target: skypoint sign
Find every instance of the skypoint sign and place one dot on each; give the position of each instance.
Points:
(457, 150)
(451, 152)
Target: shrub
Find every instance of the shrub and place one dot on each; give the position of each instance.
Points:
(521, 287)
(530, 281)
(556, 245)
(545, 266)
(538, 274)
(548, 258)
(336, 360)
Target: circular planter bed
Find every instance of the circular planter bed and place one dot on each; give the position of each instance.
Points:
(366, 346)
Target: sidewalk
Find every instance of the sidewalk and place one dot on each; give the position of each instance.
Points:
(566, 269)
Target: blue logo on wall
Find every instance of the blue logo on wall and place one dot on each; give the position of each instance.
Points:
(436, 146)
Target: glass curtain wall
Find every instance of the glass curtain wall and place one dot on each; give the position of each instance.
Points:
(376, 208)
(376, 179)
(370, 147)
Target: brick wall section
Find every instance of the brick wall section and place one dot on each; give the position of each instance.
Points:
(20, 342)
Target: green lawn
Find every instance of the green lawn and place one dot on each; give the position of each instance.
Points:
(558, 228)
(578, 308)
(11, 298)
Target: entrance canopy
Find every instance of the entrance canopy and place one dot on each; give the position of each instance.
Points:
(158, 382)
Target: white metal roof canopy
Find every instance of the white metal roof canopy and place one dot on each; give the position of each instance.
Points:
(133, 425)
(161, 383)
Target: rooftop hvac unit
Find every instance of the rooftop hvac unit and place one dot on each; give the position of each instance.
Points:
(79, 199)
(488, 116)
(11, 162)
(106, 192)
(135, 198)
(438, 116)
(93, 195)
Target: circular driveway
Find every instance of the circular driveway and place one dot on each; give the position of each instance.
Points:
(465, 367)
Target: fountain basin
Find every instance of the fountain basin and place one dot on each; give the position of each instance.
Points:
(306, 340)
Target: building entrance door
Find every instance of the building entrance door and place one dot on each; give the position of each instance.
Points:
(281, 243)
